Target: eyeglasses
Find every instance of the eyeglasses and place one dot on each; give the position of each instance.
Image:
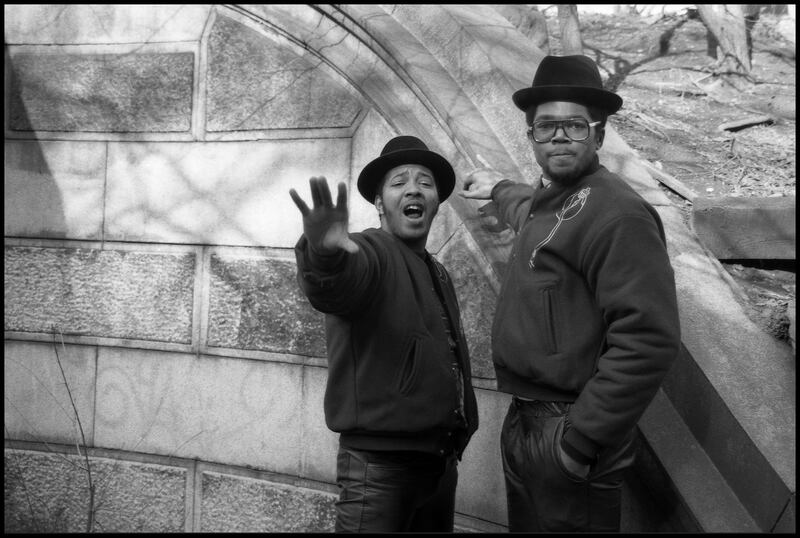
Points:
(576, 129)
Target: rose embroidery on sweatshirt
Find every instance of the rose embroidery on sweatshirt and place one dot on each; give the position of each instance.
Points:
(571, 207)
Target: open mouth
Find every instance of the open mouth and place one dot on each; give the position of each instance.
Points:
(413, 211)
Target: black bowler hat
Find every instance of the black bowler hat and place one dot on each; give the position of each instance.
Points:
(567, 78)
(406, 150)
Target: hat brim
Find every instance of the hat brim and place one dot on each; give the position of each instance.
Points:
(372, 174)
(528, 97)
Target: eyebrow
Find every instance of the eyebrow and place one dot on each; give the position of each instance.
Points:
(405, 173)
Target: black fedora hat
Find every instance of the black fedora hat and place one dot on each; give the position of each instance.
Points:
(406, 150)
(567, 78)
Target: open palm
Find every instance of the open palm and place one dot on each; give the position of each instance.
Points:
(325, 226)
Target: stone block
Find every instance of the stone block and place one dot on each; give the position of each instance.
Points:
(481, 489)
(217, 193)
(462, 38)
(734, 227)
(48, 493)
(734, 384)
(233, 411)
(257, 304)
(37, 403)
(372, 134)
(787, 524)
(80, 24)
(243, 504)
(696, 481)
(54, 189)
(138, 92)
(617, 156)
(105, 293)
(791, 312)
(320, 445)
(751, 476)
(261, 81)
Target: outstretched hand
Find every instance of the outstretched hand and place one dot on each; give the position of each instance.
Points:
(325, 226)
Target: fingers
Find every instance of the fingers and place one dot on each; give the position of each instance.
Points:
(320, 195)
(301, 205)
(341, 198)
(350, 246)
(315, 184)
(325, 192)
(472, 194)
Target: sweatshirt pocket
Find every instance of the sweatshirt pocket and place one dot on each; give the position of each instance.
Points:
(550, 319)
(408, 369)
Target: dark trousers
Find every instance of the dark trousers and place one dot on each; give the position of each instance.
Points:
(395, 491)
(542, 495)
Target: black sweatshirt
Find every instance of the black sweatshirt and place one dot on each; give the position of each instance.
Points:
(588, 311)
(391, 383)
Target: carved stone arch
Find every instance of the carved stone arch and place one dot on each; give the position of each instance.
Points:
(435, 109)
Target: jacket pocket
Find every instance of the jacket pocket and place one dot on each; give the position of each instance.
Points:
(550, 319)
(408, 370)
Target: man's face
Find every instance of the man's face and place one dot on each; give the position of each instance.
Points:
(564, 160)
(407, 203)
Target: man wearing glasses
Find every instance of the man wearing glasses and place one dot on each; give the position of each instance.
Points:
(586, 325)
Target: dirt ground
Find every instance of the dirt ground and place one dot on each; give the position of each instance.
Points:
(672, 113)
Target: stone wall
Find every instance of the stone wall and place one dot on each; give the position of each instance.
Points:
(149, 151)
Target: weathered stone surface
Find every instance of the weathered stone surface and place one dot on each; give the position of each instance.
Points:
(241, 504)
(481, 489)
(49, 493)
(232, 411)
(368, 141)
(320, 444)
(476, 299)
(107, 293)
(787, 524)
(699, 484)
(736, 391)
(144, 92)
(734, 227)
(256, 303)
(257, 81)
(217, 193)
(54, 189)
(103, 23)
(742, 463)
(37, 404)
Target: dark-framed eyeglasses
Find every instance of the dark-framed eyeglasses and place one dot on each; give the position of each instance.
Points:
(576, 129)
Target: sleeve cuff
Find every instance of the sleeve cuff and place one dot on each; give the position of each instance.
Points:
(326, 263)
(501, 182)
(579, 447)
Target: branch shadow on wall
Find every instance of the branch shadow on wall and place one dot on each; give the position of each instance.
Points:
(33, 203)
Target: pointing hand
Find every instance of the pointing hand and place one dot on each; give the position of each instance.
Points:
(479, 184)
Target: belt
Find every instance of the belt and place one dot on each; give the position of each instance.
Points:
(540, 407)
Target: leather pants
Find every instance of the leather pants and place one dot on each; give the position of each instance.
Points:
(395, 491)
(542, 495)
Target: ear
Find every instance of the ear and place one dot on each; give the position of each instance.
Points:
(601, 135)
(379, 204)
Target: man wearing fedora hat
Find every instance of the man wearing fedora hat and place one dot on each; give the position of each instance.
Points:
(399, 387)
(586, 325)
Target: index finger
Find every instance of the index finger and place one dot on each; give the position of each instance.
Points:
(301, 205)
